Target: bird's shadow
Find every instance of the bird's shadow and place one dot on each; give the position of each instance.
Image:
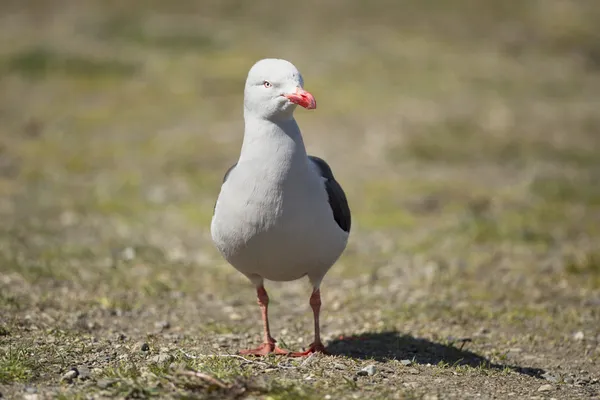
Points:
(392, 345)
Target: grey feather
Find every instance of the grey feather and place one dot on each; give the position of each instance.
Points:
(228, 172)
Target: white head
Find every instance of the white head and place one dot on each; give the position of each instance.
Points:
(273, 89)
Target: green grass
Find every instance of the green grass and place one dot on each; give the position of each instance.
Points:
(39, 62)
(16, 365)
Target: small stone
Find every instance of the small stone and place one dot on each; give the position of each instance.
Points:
(482, 331)
(582, 381)
(145, 347)
(128, 254)
(579, 336)
(515, 350)
(70, 375)
(84, 372)
(368, 370)
(235, 317)
(549, 377)
(569, 380)
(406, 362)
(162, 358)
(545, 388)
(31, 396)
(162, 325)
(30, 389)
(105, 383)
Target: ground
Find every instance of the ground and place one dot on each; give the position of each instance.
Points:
(466, 135)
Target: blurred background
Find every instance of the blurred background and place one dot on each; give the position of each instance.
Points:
(465, 133)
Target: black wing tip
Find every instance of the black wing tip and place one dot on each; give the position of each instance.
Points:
(337, 197)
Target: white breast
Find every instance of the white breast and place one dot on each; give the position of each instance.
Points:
(277, 223)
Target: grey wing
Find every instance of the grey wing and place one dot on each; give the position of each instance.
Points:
(224, 179)
(228, 172)
(337, 197)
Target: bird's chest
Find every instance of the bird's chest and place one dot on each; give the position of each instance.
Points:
(264, 206)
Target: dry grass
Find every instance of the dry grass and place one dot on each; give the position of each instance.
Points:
(465, 134)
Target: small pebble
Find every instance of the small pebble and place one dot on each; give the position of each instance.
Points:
(30, 389)
(582, 381)
(70, 375)
(128, 254)
(84, 372)
(482, 331)
(162, 325)
(105, 383)
(368, 370)
(406, 362)
(235, 317)
(545, 388)
(579, 336)
(549, 377)
(162, 358)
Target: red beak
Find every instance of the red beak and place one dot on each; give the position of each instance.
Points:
(302, 98)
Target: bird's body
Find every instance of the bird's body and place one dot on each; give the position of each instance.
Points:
(272, 219)
(280, 214)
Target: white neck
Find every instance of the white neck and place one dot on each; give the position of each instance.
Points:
(272, 141)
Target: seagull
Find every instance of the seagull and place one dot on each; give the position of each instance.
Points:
(280, 214)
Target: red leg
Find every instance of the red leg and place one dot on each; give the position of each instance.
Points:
(268, 346)
(316, 346)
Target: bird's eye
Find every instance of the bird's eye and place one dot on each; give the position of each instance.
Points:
(267, 84)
